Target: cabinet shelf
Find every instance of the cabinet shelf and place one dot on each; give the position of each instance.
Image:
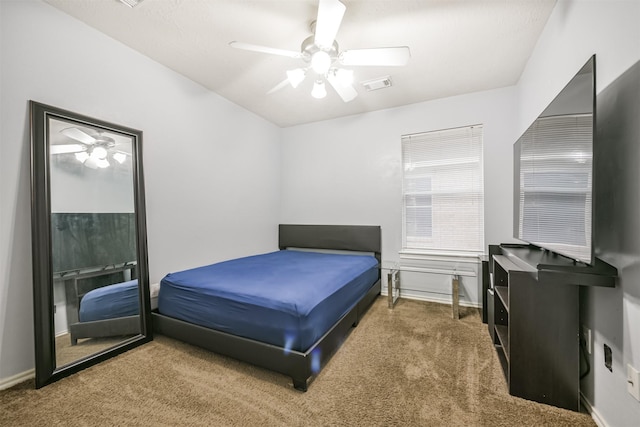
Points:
(533, 322)
(503, 293)
(503, 336)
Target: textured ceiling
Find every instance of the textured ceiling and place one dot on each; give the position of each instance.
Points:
(457, 47)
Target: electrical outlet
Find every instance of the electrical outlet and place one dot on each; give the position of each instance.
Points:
(586, 338)
(608, 358)
(633, 382)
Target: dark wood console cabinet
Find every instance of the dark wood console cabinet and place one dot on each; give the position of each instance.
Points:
(533, 320)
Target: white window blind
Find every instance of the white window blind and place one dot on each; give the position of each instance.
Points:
(443, 191)
(555, 184)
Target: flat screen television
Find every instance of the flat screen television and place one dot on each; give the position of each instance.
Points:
(553, 173)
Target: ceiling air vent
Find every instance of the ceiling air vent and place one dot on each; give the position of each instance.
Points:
(379, 83)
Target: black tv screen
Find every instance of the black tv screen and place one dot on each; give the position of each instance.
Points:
(553, 172)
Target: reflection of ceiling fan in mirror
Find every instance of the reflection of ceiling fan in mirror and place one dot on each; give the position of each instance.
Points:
(324, 60)
(93, 149)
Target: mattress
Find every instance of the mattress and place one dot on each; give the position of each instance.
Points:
(285, 298)
(108, 302)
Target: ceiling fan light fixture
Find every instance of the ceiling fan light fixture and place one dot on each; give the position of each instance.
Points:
(82, 156)
(320, 62)
(322, 56)
(296, 76)
(319, 91)
(102, 163)
(91, 163)
(99, 153)
(119, 157)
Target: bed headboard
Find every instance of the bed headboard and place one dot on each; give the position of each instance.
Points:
(364, 238)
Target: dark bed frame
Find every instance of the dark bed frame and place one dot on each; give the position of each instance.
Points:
(300, 366)
(120, 326)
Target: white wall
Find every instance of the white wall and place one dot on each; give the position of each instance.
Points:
(77, 188)
(211, 167)
(348, 171)
(575, 31)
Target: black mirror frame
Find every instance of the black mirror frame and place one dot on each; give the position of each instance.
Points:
(44, 331)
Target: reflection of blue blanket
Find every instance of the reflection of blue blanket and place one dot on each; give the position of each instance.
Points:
(110, 301)
(286, 298)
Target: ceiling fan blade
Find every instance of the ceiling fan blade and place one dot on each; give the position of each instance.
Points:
(265, 49)
(330, 13)
(106, 140)
(279, 86)
(381, 56)
(66, 148)
(346, 92)
(78, 135)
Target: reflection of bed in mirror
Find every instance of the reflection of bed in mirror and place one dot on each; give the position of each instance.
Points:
(288, 311)
(93, 253)
(101, 310)
(108, 311)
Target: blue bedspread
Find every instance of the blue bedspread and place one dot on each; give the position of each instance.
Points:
(110, 301)
(286, 298)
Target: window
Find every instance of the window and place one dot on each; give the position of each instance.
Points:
(443, 191)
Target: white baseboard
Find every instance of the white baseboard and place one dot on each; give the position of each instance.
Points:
(6, 383)
(592, 411)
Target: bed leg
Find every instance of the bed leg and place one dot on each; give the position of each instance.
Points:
(74, 341)
(300, 384)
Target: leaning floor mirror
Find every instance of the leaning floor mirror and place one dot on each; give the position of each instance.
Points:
(90, 271)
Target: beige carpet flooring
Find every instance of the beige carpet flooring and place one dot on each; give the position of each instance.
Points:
(410, 366)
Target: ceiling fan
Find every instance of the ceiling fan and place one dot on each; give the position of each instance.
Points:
(91, 148)
(324, 60)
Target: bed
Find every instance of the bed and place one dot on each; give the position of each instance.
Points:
(108, 311)
(287, 310)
